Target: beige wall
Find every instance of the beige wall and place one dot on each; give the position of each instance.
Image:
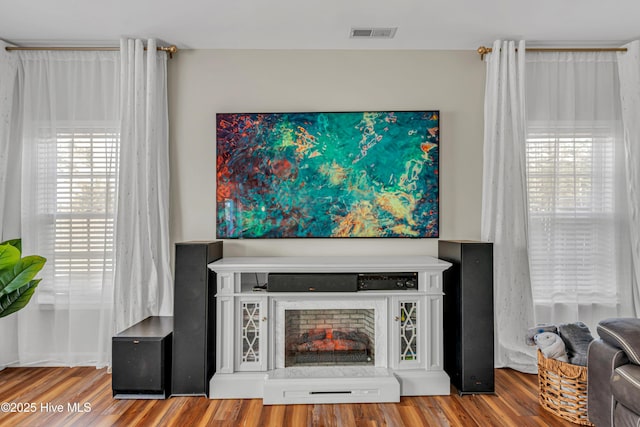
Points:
(205, 82)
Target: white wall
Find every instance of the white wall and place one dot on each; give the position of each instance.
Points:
(205, 82)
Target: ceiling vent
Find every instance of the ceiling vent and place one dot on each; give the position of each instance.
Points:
(373, 33)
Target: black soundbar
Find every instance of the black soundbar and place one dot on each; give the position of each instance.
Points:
(316, 282)
(340, 282)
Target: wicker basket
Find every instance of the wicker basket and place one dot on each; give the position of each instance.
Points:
(563, 389)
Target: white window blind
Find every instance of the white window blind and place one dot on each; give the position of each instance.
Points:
(571, 213)
(81, 203)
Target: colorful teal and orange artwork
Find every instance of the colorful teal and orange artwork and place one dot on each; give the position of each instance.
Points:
(352, 174)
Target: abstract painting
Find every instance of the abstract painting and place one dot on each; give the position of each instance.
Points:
(340, 174)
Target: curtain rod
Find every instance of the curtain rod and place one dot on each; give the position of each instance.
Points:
(483, 50)
(169, 49)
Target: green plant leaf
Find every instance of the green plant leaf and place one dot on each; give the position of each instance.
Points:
(17, 299)
(9, 255)
(16, 243)
(22, 273)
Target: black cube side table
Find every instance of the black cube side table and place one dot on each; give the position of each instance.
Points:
(141, 360)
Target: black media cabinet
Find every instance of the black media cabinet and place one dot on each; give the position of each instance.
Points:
(141, 360)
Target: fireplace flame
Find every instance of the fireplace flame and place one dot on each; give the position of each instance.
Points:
(332, 340)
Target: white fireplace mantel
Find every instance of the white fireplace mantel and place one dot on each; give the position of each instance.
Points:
(252, 367)
(330, 264)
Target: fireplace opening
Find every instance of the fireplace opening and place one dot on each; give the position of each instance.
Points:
(329, 337)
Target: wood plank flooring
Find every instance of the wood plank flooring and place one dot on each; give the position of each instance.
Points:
(51, 393)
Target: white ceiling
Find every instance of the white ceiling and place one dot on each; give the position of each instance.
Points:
(320, 24)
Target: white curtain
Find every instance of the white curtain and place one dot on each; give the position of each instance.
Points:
(9, 152)
(504, 204)
(9, 182)
(579, 247)
(89, 124)
(629, 74)
(143, 277)
(70, 124)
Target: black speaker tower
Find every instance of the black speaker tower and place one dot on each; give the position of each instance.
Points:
(194, 318)
(468, 315)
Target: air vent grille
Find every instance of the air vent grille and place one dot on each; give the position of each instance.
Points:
(373, 33)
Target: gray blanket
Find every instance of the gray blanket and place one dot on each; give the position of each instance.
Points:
(576, 337)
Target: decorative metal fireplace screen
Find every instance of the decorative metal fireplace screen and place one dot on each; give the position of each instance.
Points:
(329, 337)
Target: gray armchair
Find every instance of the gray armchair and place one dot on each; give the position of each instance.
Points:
(613, 384)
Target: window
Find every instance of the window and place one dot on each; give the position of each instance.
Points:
(572, 235)
(77, 182)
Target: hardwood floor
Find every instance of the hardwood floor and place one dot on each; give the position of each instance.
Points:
(51, 393)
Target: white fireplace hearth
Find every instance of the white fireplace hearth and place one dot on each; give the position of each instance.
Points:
(328, 347)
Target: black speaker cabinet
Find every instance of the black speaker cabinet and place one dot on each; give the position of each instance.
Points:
(468, 315)
(141, 360)
(194, 317)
